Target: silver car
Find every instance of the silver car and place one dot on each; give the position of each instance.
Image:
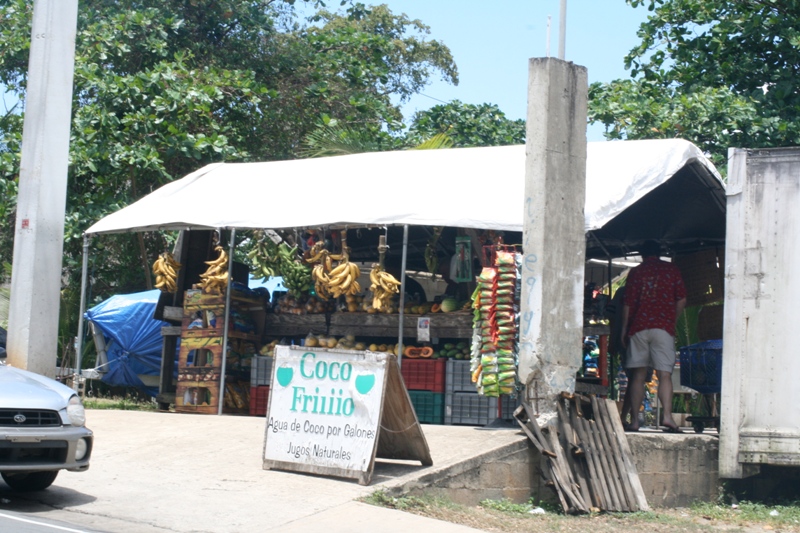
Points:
(41, 430)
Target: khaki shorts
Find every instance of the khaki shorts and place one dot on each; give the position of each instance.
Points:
(651, 347)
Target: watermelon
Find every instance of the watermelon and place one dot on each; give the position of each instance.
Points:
(449, 305)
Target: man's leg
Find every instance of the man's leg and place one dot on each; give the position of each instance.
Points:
(636, 381)
(663, 354)
(665, 397)
(626, 400)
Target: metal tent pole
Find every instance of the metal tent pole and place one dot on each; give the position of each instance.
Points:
(79, 338)
(402, 296)
(227, 321)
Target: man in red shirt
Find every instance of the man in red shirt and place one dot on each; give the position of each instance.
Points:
(654, 298)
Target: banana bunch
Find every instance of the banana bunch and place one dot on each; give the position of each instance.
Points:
(215, 278)
(264, 257)
(166, 269)
(343, 279)
(383, 286)
(296, 274)
(322, 260)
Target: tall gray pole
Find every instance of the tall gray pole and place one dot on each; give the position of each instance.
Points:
(562, 30)
(553, 235)
(39, 234)
(79, 338)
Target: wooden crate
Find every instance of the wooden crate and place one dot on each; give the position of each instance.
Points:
(206, 317)
(197, 300)
(200, 397)
(207, 355)
(199, 374)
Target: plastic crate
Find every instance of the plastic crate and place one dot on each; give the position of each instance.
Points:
(509, 404)
(429, 406)
(469, 409)
(701, 366)
(424, 374)
(259, 399)
(458, 378)
(261, 370)
(473, 409)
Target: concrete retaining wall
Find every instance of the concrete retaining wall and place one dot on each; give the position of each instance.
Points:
(674, 470)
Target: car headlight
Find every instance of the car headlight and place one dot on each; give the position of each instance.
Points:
(76, 412)
(81, 447)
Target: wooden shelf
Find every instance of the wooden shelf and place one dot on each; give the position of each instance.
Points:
(443, 325)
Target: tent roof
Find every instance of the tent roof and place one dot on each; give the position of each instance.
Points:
(461, 187)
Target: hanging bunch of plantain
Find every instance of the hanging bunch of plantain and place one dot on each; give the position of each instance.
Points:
(295, 272)
(264, 257)
(166, 269)
(215, 278)
(333, 281)
(322, 260)
(383, 285)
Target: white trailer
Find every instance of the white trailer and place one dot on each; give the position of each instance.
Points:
(760, 397)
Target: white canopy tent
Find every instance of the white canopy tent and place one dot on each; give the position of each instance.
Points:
(463, 187)
(635, 190)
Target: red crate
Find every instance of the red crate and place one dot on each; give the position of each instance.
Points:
(259, 399)
(424, 374)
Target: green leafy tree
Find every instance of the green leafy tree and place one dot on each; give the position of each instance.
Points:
(467, 125)
(164, 87)
(716, 72)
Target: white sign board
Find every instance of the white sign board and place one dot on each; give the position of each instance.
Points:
(324, 410)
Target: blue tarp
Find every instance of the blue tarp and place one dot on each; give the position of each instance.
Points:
(133, 338)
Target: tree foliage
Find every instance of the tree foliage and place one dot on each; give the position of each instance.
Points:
(163, 87)
(719, 73)
(467, 125)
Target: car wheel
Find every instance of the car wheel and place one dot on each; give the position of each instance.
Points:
(30, 481)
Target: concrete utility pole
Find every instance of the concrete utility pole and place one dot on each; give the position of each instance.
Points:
(553, 239)
(39, 235)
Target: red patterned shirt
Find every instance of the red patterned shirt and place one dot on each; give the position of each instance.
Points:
(652, 290)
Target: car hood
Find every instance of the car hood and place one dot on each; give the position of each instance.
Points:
(21, 389)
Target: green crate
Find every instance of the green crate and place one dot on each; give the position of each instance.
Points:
(429, 406)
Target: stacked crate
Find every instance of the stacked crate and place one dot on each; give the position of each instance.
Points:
(425, 382)
(200, 358)
(462, 403)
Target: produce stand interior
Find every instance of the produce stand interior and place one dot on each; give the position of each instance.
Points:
(636, 190)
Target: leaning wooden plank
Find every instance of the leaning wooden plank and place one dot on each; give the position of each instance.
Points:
(566, 474)
(557, 486)
(599, 497)
(612, 474)
(607, 476)
(627, 458)
(538, 431)
(568, 435)
(578, 471)
(527, 426)
(581, 402)
(616, 453)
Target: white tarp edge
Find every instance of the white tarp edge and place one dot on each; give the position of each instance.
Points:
(480, 188)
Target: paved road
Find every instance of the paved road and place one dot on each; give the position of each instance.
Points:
(166, 472)
(20, 523)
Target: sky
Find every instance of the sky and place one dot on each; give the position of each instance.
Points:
(492, 40)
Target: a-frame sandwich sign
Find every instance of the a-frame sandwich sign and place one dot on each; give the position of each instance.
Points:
(332, 412)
